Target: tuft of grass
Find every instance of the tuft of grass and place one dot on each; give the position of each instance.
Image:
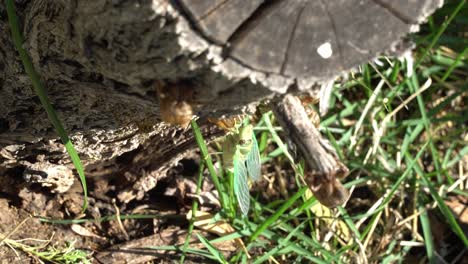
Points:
(224, 200)
(194, 213)
(45, 252)
(60, 255)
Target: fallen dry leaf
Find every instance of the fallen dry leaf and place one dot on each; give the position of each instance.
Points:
(459, 205)
(330, 221)
(84, 232)
(205, 221)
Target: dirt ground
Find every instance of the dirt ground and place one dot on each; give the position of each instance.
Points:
(164, 223)
(22, 204)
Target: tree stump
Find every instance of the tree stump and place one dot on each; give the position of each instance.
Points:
(100, 61)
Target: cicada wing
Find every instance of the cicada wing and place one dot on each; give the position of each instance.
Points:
(254, 166)
(229, 148)
(241, 187)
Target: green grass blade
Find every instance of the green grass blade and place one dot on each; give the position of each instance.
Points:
(281, 244)
(455, 64)
(194, 214)
(225, 238)
(458, 157)
(106, 218)
(428, 238)
(306, 240)
(445, 211)
(413, 85)
(194, 251)
(276, 138)
(209, 163)
(440, 31)
(440, 203)
(349, 222)
(396, 185)
(277, 214)
(40, 91)
(214, 252)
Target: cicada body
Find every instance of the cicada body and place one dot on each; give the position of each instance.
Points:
(241, 157)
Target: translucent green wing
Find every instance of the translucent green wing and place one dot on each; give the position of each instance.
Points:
(241, 187)
(229, 149)
(253, 161)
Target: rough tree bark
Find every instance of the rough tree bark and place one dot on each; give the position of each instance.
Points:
(100, 59)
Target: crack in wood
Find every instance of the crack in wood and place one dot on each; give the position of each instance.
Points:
(395, 12)
(212, 10)
(249, 24)
(335, 32)
(290, 40)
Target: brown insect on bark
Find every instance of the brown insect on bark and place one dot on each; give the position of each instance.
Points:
(175, 103)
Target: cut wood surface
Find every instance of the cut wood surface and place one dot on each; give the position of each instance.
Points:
(307, 38)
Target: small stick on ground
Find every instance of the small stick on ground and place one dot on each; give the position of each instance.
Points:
(324, 167)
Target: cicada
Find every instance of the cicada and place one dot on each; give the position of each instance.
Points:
(242, 158)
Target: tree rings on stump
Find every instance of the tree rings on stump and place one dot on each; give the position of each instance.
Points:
(315, 39)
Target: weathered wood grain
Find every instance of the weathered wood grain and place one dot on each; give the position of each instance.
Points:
(220, 18)
(307, 38)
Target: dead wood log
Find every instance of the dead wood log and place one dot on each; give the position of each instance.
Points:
(99, 60)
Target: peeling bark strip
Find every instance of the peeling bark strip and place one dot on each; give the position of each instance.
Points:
(323, 165)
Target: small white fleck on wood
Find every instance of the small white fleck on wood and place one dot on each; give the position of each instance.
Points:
(325, 50)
